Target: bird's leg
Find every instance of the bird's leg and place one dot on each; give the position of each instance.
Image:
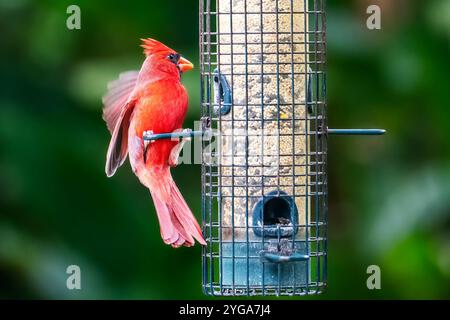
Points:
(146, 143)
(175, 153)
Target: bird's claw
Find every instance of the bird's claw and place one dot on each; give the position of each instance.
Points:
(175, 153)
(147, 133)
(188, 138)
(146, 142)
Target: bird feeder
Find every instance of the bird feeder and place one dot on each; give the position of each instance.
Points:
(264, 165)
(264, 146)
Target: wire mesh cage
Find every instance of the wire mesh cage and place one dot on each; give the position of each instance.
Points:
(264, 182)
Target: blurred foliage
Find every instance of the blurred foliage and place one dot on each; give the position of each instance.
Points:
(389, 196)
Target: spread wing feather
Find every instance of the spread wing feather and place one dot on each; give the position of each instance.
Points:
(117, 110)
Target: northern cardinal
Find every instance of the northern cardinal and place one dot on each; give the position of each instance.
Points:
(152, 100)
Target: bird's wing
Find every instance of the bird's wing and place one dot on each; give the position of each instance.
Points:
(117, 96)
(118, 146)
(118, 106)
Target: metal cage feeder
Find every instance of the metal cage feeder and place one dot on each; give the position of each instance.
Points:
(264, 146)
(264, 169)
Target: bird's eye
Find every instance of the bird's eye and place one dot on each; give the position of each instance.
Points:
(173, 57)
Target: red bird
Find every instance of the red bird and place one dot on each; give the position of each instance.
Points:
(152, 100)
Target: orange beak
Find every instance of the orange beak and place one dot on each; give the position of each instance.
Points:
(185, 65)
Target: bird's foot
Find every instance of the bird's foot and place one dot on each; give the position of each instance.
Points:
(146, 142)
(175, 153)
(188, 138)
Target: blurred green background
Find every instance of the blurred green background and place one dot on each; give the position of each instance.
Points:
(389, 196)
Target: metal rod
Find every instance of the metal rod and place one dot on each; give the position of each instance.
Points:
(172, 135)
(356, 132)
(191, 134)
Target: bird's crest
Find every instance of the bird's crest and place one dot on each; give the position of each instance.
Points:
(152, 46)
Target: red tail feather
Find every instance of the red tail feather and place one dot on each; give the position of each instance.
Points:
(177, 223)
